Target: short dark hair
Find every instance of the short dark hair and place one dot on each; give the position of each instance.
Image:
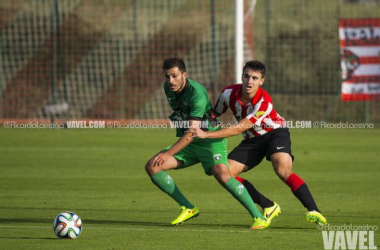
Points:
(256, 66)
(174, 62)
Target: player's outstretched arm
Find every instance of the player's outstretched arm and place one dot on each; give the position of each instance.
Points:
(242, 126)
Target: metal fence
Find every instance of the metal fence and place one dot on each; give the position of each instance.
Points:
(103, 58)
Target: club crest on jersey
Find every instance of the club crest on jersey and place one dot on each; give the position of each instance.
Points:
(217, 157)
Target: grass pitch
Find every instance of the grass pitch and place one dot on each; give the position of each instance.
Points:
(99, 174)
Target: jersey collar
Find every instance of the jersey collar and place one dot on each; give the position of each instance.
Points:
(257, 96)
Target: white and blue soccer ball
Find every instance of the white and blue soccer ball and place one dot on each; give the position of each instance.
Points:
(67, 225)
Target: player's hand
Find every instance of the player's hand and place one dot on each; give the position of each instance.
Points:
(160, 159)
(197, 132)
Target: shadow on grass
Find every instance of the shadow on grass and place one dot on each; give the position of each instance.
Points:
(166, 211)
(192, 223)
(30, 222)
(27, 222)
(104, 210)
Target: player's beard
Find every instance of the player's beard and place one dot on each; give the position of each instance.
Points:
(181, 86)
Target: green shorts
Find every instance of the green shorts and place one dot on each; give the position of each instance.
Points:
(208, 152)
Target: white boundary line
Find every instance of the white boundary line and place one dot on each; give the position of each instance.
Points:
(176, 230)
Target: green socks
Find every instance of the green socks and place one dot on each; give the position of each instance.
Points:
(167, 185)
(240, 193)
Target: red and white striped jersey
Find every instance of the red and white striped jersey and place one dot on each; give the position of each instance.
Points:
(259, 111)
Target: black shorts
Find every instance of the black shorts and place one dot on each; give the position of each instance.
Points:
(252, 151)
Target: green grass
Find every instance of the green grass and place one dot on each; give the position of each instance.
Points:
(99, 174)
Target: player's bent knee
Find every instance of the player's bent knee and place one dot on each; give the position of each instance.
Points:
(236, 167)
(283, 171)
(221, 173)
(150, 169)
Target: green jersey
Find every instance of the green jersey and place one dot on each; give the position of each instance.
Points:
(192, 103)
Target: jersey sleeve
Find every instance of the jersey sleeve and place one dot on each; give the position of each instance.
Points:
(198, 106)
(221, 104)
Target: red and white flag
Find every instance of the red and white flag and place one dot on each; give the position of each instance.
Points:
(360, 47)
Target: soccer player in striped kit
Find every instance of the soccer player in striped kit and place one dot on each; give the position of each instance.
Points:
(264, 135)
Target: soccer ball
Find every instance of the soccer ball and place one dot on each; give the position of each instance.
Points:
(67, 225)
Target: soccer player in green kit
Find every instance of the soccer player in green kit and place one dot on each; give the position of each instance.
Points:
(190, 103)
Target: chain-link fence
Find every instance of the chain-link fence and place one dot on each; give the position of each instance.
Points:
(103, 58)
